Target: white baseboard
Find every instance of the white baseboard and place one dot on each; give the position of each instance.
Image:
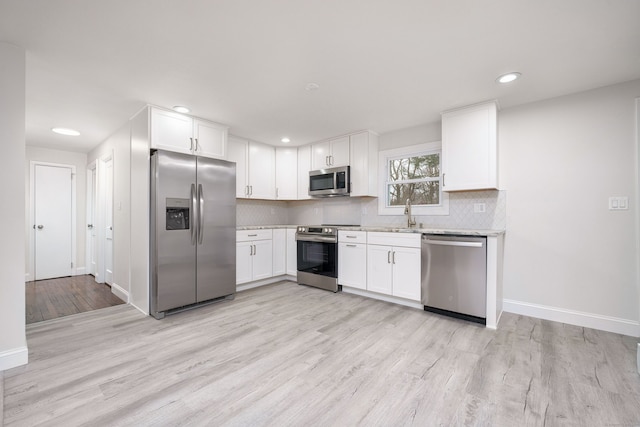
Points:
(80, 271)
(387, 298)
(264, 282)
(14, 357)
(572, 317)
(27, 277)
(119, 292)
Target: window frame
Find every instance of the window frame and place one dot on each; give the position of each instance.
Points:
(384, 156)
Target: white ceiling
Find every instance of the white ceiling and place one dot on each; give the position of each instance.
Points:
(381, 65)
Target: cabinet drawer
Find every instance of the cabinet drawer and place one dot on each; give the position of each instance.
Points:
(345, 236)
(409, 240)
(250, 235)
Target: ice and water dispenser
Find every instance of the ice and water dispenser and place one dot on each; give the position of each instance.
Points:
(177, 217)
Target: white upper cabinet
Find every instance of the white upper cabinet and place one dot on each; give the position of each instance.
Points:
(330, 154)
(304, 166)
(286, 173)
(255, 168)
(470, 148)
(364, 164)
(184, 134)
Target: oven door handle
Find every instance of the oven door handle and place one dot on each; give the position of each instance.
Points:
(322, 239)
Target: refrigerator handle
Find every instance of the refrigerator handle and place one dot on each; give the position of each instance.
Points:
(192, 214)
(200, 214)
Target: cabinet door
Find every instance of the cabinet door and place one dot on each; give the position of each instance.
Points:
(339, 155)
(237, 152)
(320, 153)
(304, 166)
(171, 131)
(210, 139)
(262, 259)
(286, 173)
(406, 273)
(363, 159)
(292, 252)
(352, 265)
(379, 271)
(279, 252)
(262, 174)
(469, 148)
(244, 251)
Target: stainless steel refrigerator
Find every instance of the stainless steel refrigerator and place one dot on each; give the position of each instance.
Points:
(193, 231)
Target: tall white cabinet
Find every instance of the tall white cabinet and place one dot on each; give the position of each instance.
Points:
(470, 148)
(286, 168)
(255, 168)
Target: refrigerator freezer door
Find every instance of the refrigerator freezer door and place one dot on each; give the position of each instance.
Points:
(216, 253)
(173, 280)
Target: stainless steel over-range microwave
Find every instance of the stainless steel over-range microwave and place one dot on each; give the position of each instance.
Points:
(330, 182)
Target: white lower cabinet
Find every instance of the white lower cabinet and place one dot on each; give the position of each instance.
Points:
(393, 264)
(279, 251)
(254, 255)
(352, 259)
(292, 252)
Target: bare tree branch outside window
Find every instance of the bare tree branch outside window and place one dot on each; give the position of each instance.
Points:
(416, 178)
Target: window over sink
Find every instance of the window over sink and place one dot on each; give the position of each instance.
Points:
(413, 173)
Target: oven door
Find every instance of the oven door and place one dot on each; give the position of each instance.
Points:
(317, 258)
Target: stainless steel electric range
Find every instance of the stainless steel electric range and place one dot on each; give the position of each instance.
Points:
(318, 256)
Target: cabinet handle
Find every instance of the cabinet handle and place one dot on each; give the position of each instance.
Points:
(388, 257)
(351, 246)
(196, 144)
(443, 175)
(393, 257)
(255, 249)
(250, 250)
(191, 144)
(251, 190)
(351, 237)
(330, 160)
(252, 235)
(246, 190)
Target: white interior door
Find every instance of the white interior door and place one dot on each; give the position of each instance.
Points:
(52, 221)
(92, 240)
(108, 254)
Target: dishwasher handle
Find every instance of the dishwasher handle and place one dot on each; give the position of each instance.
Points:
(454, 243)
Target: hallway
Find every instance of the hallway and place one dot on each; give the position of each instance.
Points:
(53, 298)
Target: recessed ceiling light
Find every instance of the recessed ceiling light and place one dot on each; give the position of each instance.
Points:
(181, 109)
(312, 86)
(65, 131)
(509, 77)
(285, 140)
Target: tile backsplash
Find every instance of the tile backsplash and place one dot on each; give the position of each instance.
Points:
(364, 211)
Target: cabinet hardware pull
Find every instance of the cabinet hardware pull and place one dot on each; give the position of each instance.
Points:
(351, 237)
(191, 144)
(196, 140)
(250, 250)
(388, 257)
(443, 175)
(255, 249)
(393, 257)
(246, 190)
(251, 190)
(330, 160)
(252, 235)
(351, 246)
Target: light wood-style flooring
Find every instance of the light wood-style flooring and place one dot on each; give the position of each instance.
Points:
(290, 355)
(64, 296)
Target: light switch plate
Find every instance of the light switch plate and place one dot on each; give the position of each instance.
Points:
(479, 207)
(618, 203)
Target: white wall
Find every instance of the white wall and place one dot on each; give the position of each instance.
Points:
(118, 145)
(13, 343)
(79, 160)
(565, 252)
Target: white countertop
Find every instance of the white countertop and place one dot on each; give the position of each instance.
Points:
(386, 229)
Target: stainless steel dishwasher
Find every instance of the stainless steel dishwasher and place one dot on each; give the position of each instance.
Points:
(454, 276)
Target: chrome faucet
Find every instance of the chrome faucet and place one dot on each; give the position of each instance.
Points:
(407, 212)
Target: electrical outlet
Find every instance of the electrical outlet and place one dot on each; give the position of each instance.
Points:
(479, 207)
(618, 203)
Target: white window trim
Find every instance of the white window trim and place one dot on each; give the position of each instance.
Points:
(383, 164)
